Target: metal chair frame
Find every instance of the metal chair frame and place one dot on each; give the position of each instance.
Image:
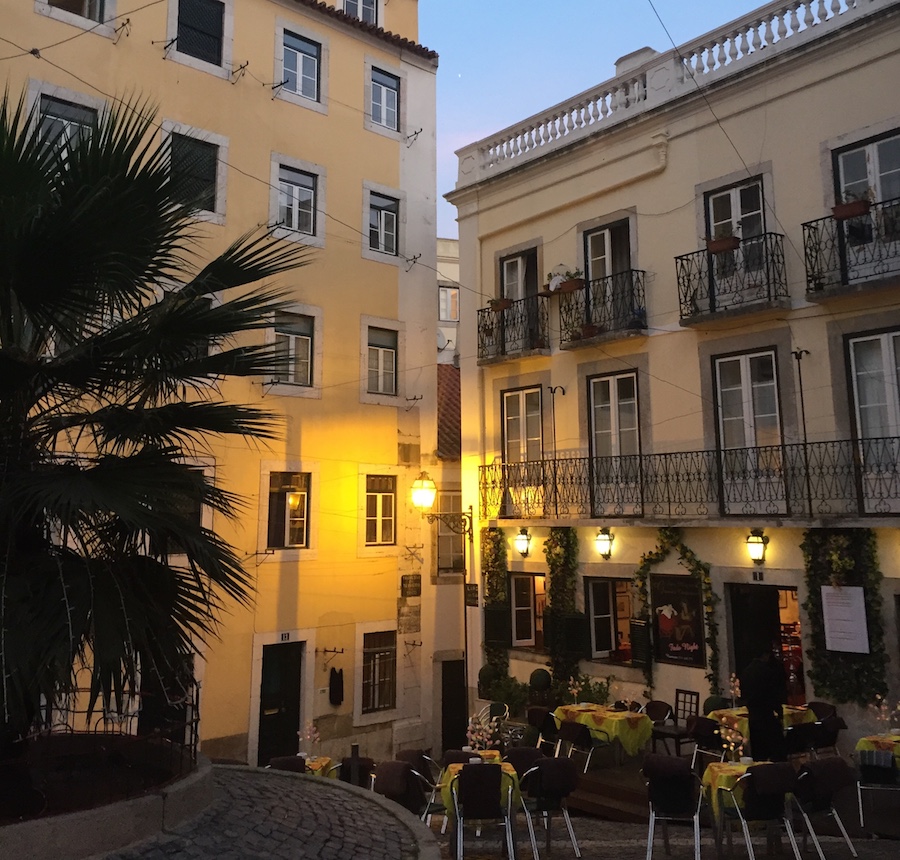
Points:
(664, 818)
(539, 807)
(806, 776)
(506, 812)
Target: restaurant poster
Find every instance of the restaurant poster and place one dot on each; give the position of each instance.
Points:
(844, 616)
(677, 607)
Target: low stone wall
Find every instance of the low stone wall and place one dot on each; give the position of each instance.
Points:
(79, 835)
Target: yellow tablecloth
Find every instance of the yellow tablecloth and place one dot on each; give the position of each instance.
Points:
(724, 774)
(510, 777)
(319, 765)
(736, 718)
(881, 742)
(631, 730)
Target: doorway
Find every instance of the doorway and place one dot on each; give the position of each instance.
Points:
(763, 615)
(279, 701)
(454, 710)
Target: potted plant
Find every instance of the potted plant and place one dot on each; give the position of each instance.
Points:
(564, 282)
(723, 243)
(854, 205)
(590, 329)
(500, 304)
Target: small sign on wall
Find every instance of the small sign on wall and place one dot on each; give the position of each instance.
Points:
(844, 615)
(411, 585)
(471, 594)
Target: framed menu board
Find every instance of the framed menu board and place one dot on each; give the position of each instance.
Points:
(677, 606)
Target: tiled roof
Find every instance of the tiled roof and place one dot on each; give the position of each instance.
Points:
(378, 32)
(449, 429)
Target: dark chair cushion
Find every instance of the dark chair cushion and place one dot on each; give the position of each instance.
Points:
(396, 781)
(478, 791)
(558, 777)
(293, 763)
(523, 758)
(456, 757)
(365, 766)
(671, 786)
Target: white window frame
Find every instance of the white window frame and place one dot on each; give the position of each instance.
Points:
(67, 134)
(448, 303)
(373, 64)
(169, 127)
(610, 584)
(357, 9)
(289, 389)
(524, 440)
(384, 359)
(385, 100)
(381, 516)
(398, 258)
(273, 555)
(319, 104)
(890, 383)
(296, 345)
(317, 238)
(448, 542)
(748, 417)
(303, 504)
(307, 66)
(616, 431)
(379, 550)
(375, 717)
(37, 89)
(385, 211)
(873, 190)
(172, 52)
(526, 609)
(103, 27)
(373, 397)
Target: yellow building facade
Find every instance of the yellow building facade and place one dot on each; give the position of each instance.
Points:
(683, 334)
(316, 119)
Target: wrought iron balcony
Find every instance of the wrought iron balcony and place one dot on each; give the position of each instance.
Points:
(841, 252)
(512, 328)
(839, 479)
(611, 304)
(745, 277)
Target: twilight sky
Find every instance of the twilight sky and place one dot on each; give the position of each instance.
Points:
(504, 60)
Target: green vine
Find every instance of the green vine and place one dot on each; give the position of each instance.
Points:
(561, 552)
(844, 557)
(494, 571)
(670, 539)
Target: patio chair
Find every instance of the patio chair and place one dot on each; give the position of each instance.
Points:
(429, 772)
(822, 709)
(293, 763)
(397, 781)
(817, 784)
(687, 705)
(478, 795)
(357, 772)
(715, 703)
(674, 794)
(577, 737)
(877, 772)
(825, 734)
(761, 798)
(704, 734)
(523, 758)
(456, 757)
(663, 719)
(545, 790)
(799, 741)
(541, 718)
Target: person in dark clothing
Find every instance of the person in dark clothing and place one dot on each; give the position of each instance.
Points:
(764, 691)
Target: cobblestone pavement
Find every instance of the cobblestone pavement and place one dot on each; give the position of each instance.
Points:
(270, 814)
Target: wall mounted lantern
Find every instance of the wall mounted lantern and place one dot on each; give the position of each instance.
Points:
(423, 495)
(604, 541)
(756, 546)
(522, 541)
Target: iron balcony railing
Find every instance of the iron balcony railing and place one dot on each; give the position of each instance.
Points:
(851, 250)
(823, 479)
(513, 327)
(750, 274)
(611, 304)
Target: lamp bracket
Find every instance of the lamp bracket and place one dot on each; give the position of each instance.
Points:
(460, 524)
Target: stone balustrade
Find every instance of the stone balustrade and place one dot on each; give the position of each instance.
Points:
(647, 79)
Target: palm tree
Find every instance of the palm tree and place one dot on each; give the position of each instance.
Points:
(113, 345)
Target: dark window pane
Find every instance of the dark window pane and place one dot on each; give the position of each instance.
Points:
(194, 165)
(200, 29)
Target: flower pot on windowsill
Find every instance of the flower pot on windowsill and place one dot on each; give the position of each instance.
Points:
(498, 305)
(723, 244)
(851, 209)
(570, 285)
(591, 330)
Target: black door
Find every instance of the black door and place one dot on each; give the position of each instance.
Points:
(755, 621)
(454, 715)
(279, 701)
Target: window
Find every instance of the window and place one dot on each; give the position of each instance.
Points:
(365, 10)
(737, 211)
(379, 672)
(522, 425)
(607, 251)
(201, 29)
(65, 123)
(194, 171)
(302, 60)
(609, 612)
(187, 504)
(614, 416)
(871, 171)
(382, 361)
(528, 602)
(383, 215)
(451, 546)
(297, 200)
(92, 9)
(518, 275)
(448, 304)
(381, 494)
(385, 99)
(288, 524)
(875, 368)
(747, 399)
(294, 342)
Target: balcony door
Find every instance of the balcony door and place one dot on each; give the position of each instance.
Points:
(529, 600)
(609, 301)
(871, 172)
(615, 445)
(523, 451)
(749, 427)
(738, 275)
(519, 325)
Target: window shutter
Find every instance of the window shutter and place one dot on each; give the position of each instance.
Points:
(498, 625)
(201, 29)
(639, 633)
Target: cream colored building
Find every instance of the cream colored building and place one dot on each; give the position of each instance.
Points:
(714, 390)
(319, 118)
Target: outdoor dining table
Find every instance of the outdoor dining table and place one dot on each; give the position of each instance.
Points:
(723, 774)
(510, 778)
(319, 765)
(737, 718)
(632, 730)
(886, 741)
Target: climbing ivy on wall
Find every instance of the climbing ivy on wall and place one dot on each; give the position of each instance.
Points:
(844, 557)
(670, 539)
(494, 573)
(561, 552)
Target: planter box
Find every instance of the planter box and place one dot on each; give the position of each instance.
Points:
(591, 330)
(571, 285)
(498, 305)
(851, 209)
(723, 245)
